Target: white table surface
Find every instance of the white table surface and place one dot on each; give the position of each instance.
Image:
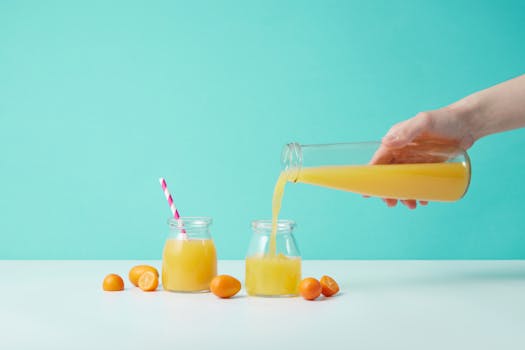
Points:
(382, 305)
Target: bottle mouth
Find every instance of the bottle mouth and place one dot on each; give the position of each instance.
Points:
(189, 222)
(265, 226)
(292, 160)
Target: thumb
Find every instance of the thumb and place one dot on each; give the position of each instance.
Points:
(405, 132)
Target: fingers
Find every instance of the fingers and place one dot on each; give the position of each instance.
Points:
(390, 202)
(382, 156)
(409, 203)
(399, 136)
(407, 131)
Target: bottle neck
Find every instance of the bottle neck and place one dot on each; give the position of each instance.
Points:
(292, 161)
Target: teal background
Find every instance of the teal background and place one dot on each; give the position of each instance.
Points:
(100, 98)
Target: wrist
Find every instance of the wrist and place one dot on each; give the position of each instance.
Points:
(467, 113)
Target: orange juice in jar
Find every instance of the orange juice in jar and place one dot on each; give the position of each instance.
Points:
(189, 259)
(273, 262)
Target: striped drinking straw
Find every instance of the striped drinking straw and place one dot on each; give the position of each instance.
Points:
(173, 209)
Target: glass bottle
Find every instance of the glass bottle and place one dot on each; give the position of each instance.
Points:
(275, 273)
(422, 171)
(189, 259)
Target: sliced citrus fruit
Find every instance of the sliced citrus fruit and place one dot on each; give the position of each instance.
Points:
(329, 286)
(148, 281)
(137, 271)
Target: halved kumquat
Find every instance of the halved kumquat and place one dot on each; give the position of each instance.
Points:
(148, 281)
(137, 271)
(329, 286)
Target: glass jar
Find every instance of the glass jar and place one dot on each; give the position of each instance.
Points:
(422, 171)
(275, 273)
(189, 259)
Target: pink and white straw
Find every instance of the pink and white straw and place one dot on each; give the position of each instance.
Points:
(173, 209)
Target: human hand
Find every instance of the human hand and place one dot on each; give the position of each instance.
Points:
(495, 109)
(416, 140)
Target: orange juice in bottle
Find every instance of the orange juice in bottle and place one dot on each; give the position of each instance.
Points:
(430, 172)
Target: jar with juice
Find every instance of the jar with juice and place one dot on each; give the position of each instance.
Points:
(273, 261)
(189, 259)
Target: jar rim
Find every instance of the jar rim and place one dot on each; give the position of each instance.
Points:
(190, 221)
(283, 225)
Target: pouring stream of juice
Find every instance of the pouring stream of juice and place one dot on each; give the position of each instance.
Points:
(277, 199)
